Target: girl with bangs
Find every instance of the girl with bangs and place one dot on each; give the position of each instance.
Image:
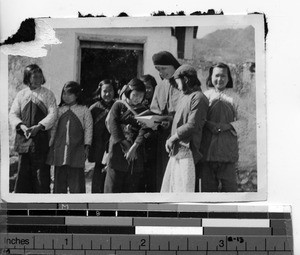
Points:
(225, 122)
(33, 114)
(71, 140)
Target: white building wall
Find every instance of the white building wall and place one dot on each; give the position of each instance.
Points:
(189, 43)
(61, 63)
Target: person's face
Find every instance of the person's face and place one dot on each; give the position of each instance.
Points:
(36, 80)
(180, 84)
(69, 98)
(149, 90)
(136, 97)
(219, 78)
(166, 72)
(107, 93)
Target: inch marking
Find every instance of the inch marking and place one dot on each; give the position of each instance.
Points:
(265, 244)
(127, 243)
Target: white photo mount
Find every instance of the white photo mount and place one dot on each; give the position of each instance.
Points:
(149, 32)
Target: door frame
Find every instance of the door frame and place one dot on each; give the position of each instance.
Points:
(130, 41)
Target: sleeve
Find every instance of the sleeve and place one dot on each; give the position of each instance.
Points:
(54, 127)
(154, 106)
(93, 109)
(115, 123)
(51, 117)
(241, 116)
(15, 112)
(196, 117)
(88, 127)
(141, 136)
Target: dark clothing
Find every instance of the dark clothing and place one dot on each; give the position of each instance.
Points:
(99, 111)
(188, 123)
(98, 178)
(150, 175)
(221, 149)
(216, 176)
(33, 174)
(68, 146)
(72, 177)
(123, 126)
(120, 181)
(72, 132)
(32, 114)
(162, 157)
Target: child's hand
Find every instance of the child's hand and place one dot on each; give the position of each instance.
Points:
(86, 150)
(165, 124)
(32, 131)
(170, 143)
(131, 154)
(26, 131)
(125, 144)
(143, 125)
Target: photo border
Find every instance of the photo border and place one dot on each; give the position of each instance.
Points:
(256, 20)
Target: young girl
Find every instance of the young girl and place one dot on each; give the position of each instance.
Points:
(184, 144)
(71, 139)
(220, 140)
(125, 157)
(150, 84)
(33, 114)
(99, 110)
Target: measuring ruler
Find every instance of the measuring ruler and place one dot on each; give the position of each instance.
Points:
(136, 229)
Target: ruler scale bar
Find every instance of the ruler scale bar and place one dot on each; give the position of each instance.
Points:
(146, 229)
(142, 242)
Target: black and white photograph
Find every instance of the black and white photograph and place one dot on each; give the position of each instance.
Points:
(145, 109)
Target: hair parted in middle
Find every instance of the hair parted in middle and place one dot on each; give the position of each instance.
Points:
(219, 65)
(72, 87)
(134, 84)
(97, 92)
(29, 70)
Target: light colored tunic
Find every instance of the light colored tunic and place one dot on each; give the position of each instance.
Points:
(42, 97)
(165, 98)
(72, 131)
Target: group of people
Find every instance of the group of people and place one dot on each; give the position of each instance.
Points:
(194, 150)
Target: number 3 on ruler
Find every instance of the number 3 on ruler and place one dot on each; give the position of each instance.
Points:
(221, 243)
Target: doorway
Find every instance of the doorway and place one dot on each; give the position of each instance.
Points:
(108, 60)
